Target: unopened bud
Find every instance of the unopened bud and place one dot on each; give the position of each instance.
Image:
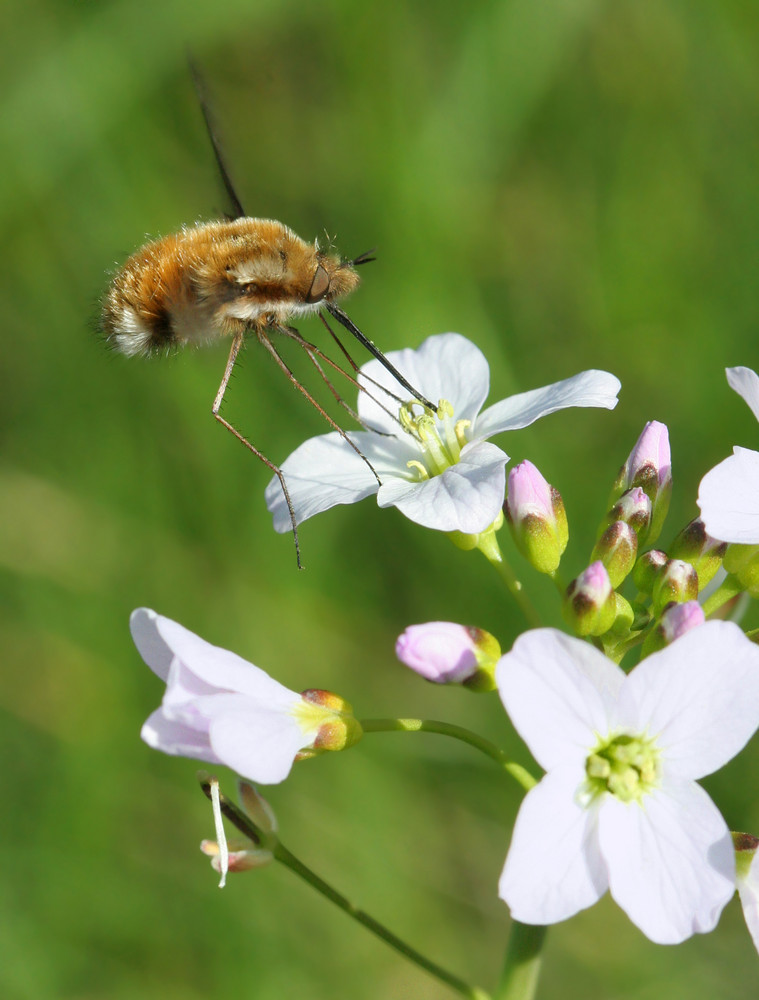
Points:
(676, 620)
(446, 653)
(704, 553)
(649, 466)
(536, 516)
(634, 508)
(617, 548)
(678, 582)
(589, 604)
(332, 718)
(648, 569)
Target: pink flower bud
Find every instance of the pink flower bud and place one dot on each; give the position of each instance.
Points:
(678, 582)
(649, 466)
(537, 517)
(446, 653)
(590, 605)
(634, 508)
(616, 549)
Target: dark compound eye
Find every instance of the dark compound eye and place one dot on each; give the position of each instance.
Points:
(319, 286)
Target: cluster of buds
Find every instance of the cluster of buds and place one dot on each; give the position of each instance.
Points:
(668, 584)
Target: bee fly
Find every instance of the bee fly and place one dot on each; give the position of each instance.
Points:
(230, 279)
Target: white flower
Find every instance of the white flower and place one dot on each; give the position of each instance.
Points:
(438, 470)
(219, 708)
(619, 807)
(729, 493)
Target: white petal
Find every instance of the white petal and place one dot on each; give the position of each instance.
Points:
(446, 366)
(699, 697)
(590, 388)
(559, 693)
(150, 645)
(467, 497)
(175, 738)
(746, 383)
(219, 668)
(554, 867)
(325, 471)
(729, 498)
(258, 744)
(671, 862)
(748, 890)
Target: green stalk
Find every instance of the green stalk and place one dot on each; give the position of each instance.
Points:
(519, 773)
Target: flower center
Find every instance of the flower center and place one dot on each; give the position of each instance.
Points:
(624, 765)
(440, 446)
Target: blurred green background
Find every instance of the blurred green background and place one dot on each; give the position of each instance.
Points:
(569, 184)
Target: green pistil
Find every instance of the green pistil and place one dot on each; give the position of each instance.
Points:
(626, 766)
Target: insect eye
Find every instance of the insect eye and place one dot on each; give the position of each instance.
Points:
(319, 286)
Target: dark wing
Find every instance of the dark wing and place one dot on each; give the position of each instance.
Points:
(197, 80)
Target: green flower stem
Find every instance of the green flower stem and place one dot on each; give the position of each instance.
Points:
(244, 824)
(519, 979)
(727, 590)
(519, 773)
(464, 989)
(488, 545)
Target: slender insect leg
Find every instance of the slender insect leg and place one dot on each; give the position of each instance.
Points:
(301, 388)
(314, 354)
(233, 352)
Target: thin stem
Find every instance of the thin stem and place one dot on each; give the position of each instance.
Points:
(519, 979)
(520, 774)
(728, 589)
(295, 865)
(488, 544)
(246, 826)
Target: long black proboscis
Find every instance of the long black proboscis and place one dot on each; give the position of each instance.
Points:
(229, 187)
(349, 325)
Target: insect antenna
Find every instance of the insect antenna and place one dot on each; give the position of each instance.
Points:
(349, 325)
(363, 258)
(229, 187)
(233, 352)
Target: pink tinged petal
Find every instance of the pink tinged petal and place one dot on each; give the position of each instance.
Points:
(554, 866)
(698, 698)
(219, 668)
(467, 497)
(258, 743)
(559, 693)
(446, 366)
(729, 498)
(443, 652)
(748, 890)
(651, 449)
(746, 383)
(670, 861)
(176, 738)
(151, 646)
(590, 388)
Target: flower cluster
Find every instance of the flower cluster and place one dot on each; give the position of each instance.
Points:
(618, 808)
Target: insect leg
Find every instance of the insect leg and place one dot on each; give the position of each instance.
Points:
(233, 352)
(262, 336)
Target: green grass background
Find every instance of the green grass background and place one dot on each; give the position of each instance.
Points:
(570, 184)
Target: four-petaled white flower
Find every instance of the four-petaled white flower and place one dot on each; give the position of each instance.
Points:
(219, 708)
(729, 493)
(439, 470)
(619, 807)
